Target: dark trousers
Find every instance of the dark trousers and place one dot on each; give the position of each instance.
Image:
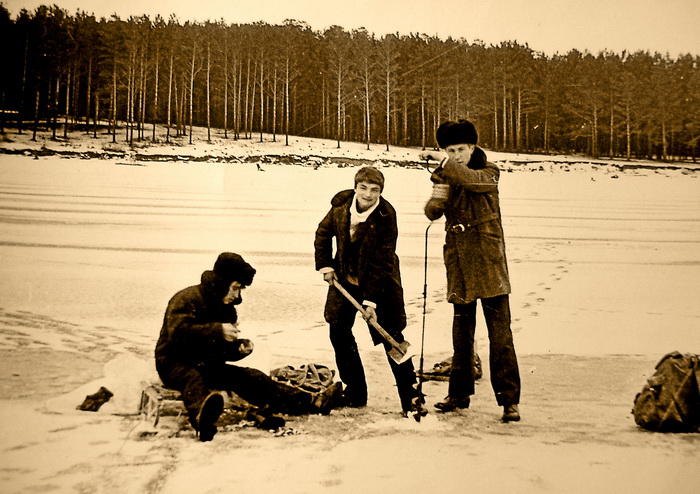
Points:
(505, 376)
(349, 362)
(255, 387)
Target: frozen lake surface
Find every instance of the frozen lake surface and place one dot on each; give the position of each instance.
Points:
(599, 264)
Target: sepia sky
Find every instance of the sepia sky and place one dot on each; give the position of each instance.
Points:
(549, 26)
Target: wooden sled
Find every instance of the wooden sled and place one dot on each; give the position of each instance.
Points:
(158, 401)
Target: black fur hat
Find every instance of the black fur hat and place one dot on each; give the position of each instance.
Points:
(231, 267)
(459, 132)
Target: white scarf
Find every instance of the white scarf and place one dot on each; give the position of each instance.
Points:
(356, 217)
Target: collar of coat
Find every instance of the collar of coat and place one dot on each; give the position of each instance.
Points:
(478, 159)
(344, 199)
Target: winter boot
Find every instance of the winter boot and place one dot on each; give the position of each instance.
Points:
(511, 413)
(209, 413)
(328, 399)
(450, 404)
(264, 418)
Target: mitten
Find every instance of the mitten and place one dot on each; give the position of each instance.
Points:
(434, 208)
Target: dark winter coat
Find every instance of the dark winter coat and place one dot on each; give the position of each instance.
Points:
(192, 333)
(377, 263)
(474, 253)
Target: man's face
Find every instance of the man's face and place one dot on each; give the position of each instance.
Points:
(367, 195)
(234, 293)
(460, 153)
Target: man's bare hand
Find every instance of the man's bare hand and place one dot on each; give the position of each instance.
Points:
(231, 331)
(370, 315)
(245, 347)
(431, 156)
(329, 277)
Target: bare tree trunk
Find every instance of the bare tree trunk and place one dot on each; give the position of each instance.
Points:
(65, 117)
(324, 106)
(208, 92)
(75, 92)
(286, 103)
(262, 95)
(97, 114)
(88, 104)
(36, 113)
(194, 57)
(628, 130)
(178, 111)
(245, 111)
(664, 140)
(404, 131)
(545, 131)
(170, 96)
(388, 108)
(20, 114)
(54, 116)
(274, 104)
(518, 122)
(422, 114)
(238, 85)
(130, 102)
(143, 88)
(505, 118)
(458, 94)
(612, 127)
(527, 132)
(155, 93)
(594, 134)
(344, 136)
(114, 102)
(368, 115)
(339, 94)
(495, 119)
(226, 76)
(251, 119)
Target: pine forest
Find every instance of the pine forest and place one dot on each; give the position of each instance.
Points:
(66, 71)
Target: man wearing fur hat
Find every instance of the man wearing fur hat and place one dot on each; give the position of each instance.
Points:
(365, 263)
(200, 335)
(475, 260)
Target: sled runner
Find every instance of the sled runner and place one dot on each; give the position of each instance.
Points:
(158, 401)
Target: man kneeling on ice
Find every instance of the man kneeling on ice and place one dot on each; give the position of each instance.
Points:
(200, 335)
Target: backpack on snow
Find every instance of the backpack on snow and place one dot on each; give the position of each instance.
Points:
(441, 371)
(670, 400)
(312, 378)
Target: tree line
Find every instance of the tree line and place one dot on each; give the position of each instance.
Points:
(69, 71)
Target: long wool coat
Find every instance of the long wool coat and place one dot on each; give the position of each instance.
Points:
(378, 265)
(475, 254)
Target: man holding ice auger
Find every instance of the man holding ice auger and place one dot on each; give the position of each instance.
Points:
(466, 191)
(364, 274)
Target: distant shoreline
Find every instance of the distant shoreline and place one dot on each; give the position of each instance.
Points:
(272, 150)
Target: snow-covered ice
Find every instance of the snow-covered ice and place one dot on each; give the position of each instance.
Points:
(605, 268)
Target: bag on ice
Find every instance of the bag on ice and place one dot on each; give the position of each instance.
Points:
(441, 371)
(670, 400)
(311, 377)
